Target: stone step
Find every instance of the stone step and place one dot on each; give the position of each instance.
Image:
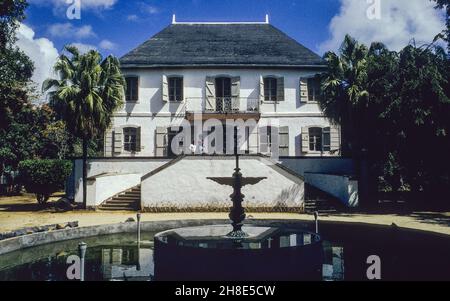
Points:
(126, 201)
(117, 208)
(126, 196)
(132, 193)
(124, 204)
(123, 200)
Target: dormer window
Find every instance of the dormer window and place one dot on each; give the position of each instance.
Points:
(132, 89)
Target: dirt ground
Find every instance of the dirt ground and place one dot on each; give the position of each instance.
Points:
(23, 211)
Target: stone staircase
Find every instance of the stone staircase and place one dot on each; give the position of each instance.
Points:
(321, 206)
(129, 200)
(317, 200)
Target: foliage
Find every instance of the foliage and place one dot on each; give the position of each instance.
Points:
(396, 106)
(87, 93)
(44, 177)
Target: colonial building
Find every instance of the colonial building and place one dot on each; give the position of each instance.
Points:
(236, 71)
(194, 73)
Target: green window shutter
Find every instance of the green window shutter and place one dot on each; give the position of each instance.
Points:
(261, 89)
(280, 89)
(165, 89)
(235, 92)
(118, 141)
(210, 94)
(304, 90)
(335, 140)
(161, 142)
(305, 140)
(284, 141)
(108, 149)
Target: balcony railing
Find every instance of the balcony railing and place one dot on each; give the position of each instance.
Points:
(222, 105)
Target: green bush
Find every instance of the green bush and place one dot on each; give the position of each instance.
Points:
(44, 177)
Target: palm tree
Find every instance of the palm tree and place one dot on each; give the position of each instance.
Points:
(345, 101)
(86, 94)
(344, 88)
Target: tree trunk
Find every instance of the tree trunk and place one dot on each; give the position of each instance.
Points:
(85, 153)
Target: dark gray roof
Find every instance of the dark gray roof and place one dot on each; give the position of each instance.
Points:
(221, 45)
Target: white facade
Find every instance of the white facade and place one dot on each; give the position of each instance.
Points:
(150, 113)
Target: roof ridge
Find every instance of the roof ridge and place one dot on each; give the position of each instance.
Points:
(174, 21)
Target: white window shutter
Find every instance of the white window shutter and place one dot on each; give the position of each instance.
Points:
(284, 141)
(165, 89)
(253, 140)
(210, 93)
(335, 140)
(261, 89)
(118, 141)
(235, 92)
(161, 142)
(280, 88)
(303, 90)
(264, 141)
(109, 139)
(305, 139)
(138, 139)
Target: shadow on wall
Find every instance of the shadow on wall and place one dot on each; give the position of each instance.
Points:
(291, 197)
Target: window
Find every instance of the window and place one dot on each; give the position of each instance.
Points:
(132, 89)
(175, 89)
(270, 89)
(130, 139)
(313, 89)
(319, 139)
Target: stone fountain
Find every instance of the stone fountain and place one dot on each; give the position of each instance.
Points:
(237, 251)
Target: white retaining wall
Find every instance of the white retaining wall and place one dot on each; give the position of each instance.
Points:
(97, 167)
(185, 185)
(342, 187)
(103, 187)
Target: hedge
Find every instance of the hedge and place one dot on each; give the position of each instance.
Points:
(44, 177)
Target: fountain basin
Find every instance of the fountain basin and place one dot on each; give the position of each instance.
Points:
(267, 253)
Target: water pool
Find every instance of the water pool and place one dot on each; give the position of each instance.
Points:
(405, 255)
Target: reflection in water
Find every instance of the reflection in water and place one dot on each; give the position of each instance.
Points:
(127, 263)
(346, 248)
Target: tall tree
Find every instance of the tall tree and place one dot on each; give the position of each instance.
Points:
(397, 107)
(445, 5)
(16, 70)
(86, 94)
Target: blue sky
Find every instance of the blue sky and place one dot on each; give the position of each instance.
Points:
(129, 23)
(118, 26)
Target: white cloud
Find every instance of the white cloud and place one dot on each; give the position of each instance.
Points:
(67, 30)
(400, 22)
(88, 4)
(149, 9)
(107, 45)
(41, 51)
(132, 18)
(83, 48)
